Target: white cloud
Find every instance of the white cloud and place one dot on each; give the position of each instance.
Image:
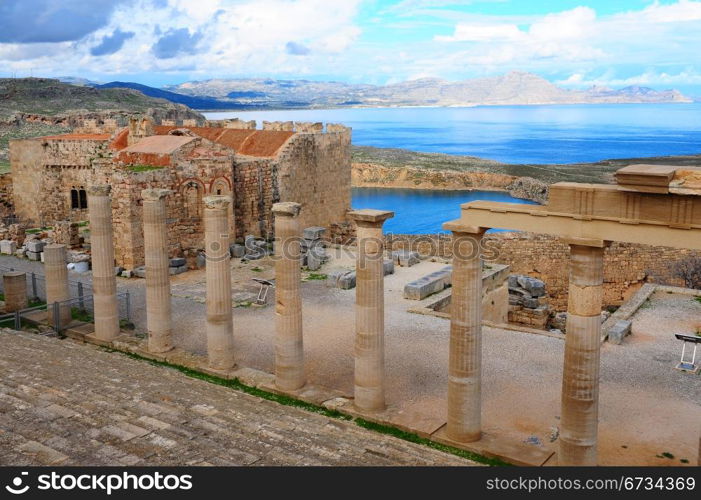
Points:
(465, 32)
(246, 37)
(651, 78)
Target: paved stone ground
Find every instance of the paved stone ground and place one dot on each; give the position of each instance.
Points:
(65, 403)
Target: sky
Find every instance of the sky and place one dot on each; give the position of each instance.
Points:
(574, 43)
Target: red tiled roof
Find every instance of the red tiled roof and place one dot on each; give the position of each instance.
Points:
(121, 141)
(263, 143)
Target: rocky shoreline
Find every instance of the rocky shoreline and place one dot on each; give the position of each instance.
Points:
(378, 176)
(404, 169)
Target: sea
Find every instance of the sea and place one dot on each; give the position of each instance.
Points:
(510, 134)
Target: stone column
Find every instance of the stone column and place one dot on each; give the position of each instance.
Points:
(57, 282)
(158, 307)
(220, 329)
(580, 375)
(289, 352)
(15, 286)
(104, 282)
(370, 310)
(465, 350)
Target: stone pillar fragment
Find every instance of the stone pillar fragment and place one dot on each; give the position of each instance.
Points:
(289, 352)
(158, 303)
(15, 287)
(465, 352)
(104, 284)
(580, 375)
(220, 329)
(57, 282)
(370, 310)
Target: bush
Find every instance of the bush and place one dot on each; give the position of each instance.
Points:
(689, 270)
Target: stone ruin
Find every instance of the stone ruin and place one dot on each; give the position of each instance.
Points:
(256, 168)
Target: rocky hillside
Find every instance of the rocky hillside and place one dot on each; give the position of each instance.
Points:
(31, 107)
(513, 88)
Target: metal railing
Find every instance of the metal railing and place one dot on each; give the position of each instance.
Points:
(36, 285)
(56, 315)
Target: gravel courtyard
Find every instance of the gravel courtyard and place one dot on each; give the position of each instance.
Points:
(647, 408)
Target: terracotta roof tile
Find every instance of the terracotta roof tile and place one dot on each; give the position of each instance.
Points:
(262, 143)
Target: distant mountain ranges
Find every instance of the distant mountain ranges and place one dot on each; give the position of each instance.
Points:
(514, 88)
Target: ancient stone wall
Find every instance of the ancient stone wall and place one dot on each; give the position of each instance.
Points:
(7, 206)
(256, 189)
(314, 170)
(50, 169)
(627, 266)
(197, 175)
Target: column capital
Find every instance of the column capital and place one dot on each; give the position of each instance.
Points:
(216, 202)
(586, 242)
(99, 190)
(155, 194)
(370, 217)
(457, 226)
(286, 209)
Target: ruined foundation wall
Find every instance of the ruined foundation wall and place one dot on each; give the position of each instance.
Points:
(627, 266)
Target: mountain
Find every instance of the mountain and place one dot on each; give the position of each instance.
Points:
(514, 88)
(49, 97)
(197, 102)
(76, 80)
(33, 107)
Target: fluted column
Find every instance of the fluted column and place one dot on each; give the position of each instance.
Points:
(57, 282)
(104, 281)
(289, 351)
(580, 375)
(370, 310)
(220, 329)
(158, 306)
(465, 352)
(15, 287)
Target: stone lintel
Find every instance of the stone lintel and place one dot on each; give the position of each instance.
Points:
(99, 190)
(155, 194)
(216, 202)
(457, 226)
(14, 274)
(371, 216)
(286, 209)
(586, 242)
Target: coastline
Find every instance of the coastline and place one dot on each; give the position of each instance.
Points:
(206, 112)
(404, 169)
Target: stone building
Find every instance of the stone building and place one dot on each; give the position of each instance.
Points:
(283, 162)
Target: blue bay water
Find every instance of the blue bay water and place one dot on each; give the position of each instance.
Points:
(517, 134)
(421, 211)
(510, 134)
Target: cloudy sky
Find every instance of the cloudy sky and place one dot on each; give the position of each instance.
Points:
(572, 42)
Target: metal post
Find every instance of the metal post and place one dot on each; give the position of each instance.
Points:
(34, 286)
(126, 300)
(81, 302)
(57, 316)
(18, 320)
